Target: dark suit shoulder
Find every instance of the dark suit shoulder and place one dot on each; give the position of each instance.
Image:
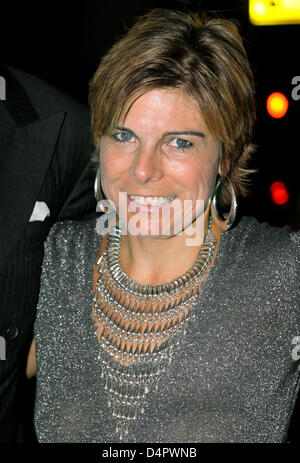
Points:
(46, 98)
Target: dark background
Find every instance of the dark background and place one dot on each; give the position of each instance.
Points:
(62, 42)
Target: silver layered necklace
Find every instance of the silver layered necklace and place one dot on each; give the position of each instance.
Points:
(139, 326)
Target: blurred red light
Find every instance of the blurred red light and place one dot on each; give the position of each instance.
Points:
(279, 193)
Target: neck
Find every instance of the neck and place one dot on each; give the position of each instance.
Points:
(159, 260)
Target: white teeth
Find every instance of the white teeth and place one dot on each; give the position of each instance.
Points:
(152, 200)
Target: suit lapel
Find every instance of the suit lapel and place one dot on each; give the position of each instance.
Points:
(21, 178)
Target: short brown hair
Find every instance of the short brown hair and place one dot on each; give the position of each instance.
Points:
(203, 56)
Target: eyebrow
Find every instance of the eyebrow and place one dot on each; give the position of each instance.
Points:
(185, 132)
(124, 129)
(167, 134)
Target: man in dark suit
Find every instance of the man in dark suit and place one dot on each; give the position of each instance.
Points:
(45, 176)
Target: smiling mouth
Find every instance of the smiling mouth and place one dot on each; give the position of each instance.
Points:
(152, 200)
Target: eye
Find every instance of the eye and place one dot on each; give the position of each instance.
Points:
(181, 143)
(123, 137)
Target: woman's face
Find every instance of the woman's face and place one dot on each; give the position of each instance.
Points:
(161, 158)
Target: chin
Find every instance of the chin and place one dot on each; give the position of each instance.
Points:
(140, 224)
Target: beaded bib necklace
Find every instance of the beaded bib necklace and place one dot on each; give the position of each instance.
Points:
(139, 326)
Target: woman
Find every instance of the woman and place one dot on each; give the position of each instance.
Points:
(174, 327)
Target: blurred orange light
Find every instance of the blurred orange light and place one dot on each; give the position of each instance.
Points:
(277, 105)
(279, 193)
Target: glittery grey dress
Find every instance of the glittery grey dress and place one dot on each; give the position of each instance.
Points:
(235, 376)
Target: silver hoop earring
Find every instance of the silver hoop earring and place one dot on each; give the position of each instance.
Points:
(100, 201)
(223, 224)
(97, 185)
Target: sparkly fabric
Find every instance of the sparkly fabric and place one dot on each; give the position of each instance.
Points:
(234, 378)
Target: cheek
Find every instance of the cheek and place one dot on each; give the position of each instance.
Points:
(198, 177)
(110, 166)
(105, 167)
(106, 174)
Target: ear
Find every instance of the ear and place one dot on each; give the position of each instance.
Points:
(224, 164)
(220, 169)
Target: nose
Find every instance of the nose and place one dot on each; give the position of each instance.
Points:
(147, 165)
